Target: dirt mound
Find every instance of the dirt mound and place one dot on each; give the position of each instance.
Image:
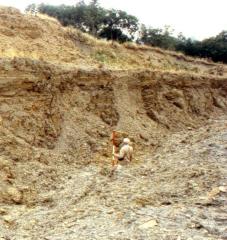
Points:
(41, 38)
(63, 93)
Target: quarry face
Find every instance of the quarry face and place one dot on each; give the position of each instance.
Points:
(57, 113)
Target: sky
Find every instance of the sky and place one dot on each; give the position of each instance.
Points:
(198, 19)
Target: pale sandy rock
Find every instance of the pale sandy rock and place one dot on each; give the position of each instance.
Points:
(150, 224)
(14, 195)
(9, 219)
(3, 211)
(223, 189)
(3, 162)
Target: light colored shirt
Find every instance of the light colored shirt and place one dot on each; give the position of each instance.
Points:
(126, 152)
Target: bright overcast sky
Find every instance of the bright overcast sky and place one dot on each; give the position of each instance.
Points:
(198, 19)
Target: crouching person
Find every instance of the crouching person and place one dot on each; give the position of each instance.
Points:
(126, 151)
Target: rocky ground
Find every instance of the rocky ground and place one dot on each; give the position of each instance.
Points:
(178, 191)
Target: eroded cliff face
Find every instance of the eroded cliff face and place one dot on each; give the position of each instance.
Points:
(58, 108)
(176, 101)
(37, 97)
(71, 113)
(56, 151)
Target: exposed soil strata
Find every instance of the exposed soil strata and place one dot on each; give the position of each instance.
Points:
(61, 95)
(73, 111)
(188, 105)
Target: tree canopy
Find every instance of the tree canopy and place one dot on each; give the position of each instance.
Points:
(118, 25)
(214, 48)
(92, 18)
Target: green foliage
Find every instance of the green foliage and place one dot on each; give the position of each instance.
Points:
(67, 15)
(116, 22)
(158, 37)
(91, 18)
(104, 56)
(30, 8)
(120, 26)
(100, 56)
(214, 48)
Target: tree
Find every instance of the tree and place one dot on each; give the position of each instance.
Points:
(91, 18)
(214, 48)
(31, 8)
(118, 25)
(158, 37)
(94, 17)
(88, 18)
(114, 34)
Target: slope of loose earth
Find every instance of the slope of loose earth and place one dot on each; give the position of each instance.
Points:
(61, 95)
(42, 38)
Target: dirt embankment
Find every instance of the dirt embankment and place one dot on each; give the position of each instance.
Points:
(43, 38)
(63, 92)
(71, 113)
